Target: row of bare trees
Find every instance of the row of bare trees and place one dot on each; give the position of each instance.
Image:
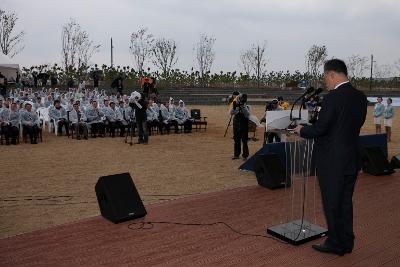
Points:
(77, 50)
(162, 52)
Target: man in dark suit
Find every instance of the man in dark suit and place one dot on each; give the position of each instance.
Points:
(337, 152)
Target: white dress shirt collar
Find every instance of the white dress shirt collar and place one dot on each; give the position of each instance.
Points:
(337, 86)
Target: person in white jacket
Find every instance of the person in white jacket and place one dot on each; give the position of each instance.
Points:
(30, 122)
(78, 121)
(183, 117)
(58, 114)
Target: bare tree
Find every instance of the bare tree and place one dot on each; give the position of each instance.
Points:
(164, 55)
(205, 54)
(397, 66)
(10, 43)
(86, 49)
(356, 66)
(315, 58)
(383, 71)
(245, 61)
(77, 49)
(254, 61)
(141, 47)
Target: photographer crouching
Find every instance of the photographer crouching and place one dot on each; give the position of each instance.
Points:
(269, 137)
(240, 112)
(138, 102)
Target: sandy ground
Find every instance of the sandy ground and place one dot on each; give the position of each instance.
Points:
(53, 182)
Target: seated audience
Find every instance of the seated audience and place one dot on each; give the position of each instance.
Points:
(9, 122)
(58, 114)
(78, 121)
(30, 122)
(183, 117)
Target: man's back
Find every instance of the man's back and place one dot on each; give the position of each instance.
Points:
(348, 109)
(337, 130)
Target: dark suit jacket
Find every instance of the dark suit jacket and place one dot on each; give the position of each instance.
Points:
(337, 132)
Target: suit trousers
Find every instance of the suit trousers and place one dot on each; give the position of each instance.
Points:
(143, 133)
(337, 199)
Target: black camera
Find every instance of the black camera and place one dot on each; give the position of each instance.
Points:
(314, 112)
(271, 105)
(242, 99)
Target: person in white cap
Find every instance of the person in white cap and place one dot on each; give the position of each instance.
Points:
(95, 119)
(138, 103)
(152, 115)
(115, 119)
(30, 122)
(172, 121)
(58, 114)
(78, 120)
(183, 117)
(9, 122)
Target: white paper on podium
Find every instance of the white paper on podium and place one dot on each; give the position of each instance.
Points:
(280, 119)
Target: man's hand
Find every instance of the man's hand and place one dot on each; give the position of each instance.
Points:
(298, 129)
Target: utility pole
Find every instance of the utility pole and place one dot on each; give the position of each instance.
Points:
(258, 66)
(370, 77)
(112, 59)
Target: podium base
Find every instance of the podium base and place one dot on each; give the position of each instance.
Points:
(289, 232)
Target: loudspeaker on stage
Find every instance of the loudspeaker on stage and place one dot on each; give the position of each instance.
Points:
(118, 198)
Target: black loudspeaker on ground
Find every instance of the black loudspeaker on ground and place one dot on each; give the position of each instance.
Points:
(270, 171)
(395, 162)
(118, 198)
(375, 162)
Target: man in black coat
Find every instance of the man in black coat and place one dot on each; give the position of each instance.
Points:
(240, 112)
(139, 103)
(337, 152)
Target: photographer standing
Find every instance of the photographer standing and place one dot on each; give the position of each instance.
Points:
(270, 136)
(240, 111)
(138, 102)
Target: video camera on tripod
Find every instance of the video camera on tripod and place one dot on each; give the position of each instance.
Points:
(239, 101)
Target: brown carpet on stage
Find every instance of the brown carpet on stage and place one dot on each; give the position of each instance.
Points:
(95, 241)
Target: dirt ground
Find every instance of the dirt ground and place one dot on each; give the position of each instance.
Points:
(53, 182)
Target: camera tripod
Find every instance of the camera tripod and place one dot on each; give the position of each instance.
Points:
(229, 124)
(130, 131)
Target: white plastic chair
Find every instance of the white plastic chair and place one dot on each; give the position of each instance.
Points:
(44, 116)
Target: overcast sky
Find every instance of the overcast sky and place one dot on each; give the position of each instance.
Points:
(290, 28)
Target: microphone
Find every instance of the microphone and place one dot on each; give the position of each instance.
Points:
(308, 91)
(316, 92)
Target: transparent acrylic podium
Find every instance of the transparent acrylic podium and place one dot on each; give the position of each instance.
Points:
(298, 222)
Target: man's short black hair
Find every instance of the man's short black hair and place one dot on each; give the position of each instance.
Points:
(335, 65)
(235, 93)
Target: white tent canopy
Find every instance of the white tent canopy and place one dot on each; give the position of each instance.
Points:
(8, 68)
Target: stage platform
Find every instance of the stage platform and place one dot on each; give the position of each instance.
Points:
(97, 242)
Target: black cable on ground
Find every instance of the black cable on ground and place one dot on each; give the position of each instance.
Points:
(143, 225)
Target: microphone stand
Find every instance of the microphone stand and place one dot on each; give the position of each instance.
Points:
(293, 123)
